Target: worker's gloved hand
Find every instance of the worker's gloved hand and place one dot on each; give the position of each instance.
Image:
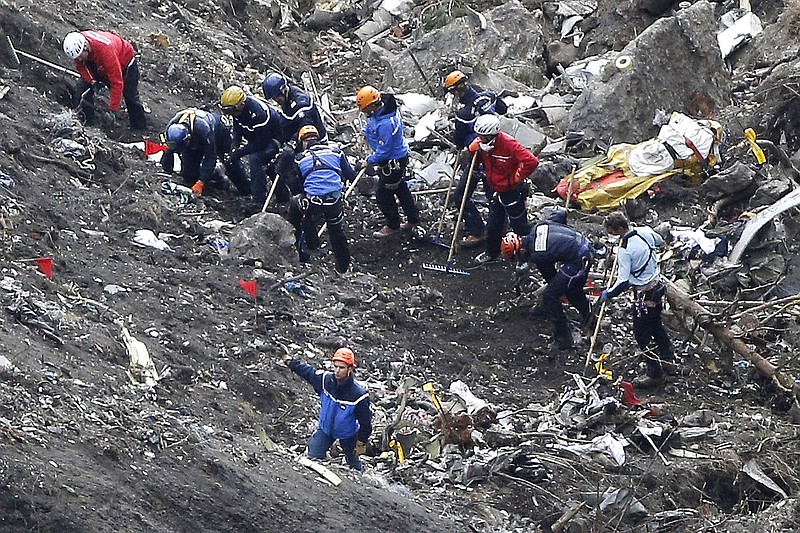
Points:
(604, 296)
(286, 358)
(197, 188)
(369, 170)
(361, 448)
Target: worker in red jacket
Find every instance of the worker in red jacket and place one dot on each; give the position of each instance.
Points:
(507, 165)
(105, 57)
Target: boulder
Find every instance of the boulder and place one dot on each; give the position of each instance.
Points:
(264, 237)
(733, 179)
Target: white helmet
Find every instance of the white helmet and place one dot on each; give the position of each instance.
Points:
(74, 44)
(487, 125)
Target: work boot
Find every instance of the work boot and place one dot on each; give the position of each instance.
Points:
(473, 241)
(384, 232)
(648, 382)
(485, 259)
(408, 226)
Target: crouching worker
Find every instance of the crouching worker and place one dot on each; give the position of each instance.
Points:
(323, 167)
(344, 407)
(550, 243)
(200, 138)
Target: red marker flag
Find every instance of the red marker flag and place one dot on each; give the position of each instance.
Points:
(45, 265)
(250, 286)
(151, 147)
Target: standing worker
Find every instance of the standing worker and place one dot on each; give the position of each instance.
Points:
(323, 168)
(260, 125)
(105, 57)
(549, 242)
(473, 105)
(200, 138)
(344, 407)
(638, 269)
(384, 133)
(508, 164)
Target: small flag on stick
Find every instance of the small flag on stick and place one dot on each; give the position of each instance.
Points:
(151, 147)
(250, 286)
(45, 265)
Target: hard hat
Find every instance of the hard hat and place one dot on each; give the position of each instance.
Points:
(344, 355)
(453, 79)
(232, 97)
(273, 84)
(487, 125)
(177, 133)
(74, 44)
(309, 130)
(510, 245)
(367, 96)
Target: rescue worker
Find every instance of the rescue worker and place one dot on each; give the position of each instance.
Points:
(552, 242)
(260, 125)
(384, 133)
(344, 407)
(638, 269)
(508, 164)
(473, 105)
(323, 168)
(105, 57)
(200, 138)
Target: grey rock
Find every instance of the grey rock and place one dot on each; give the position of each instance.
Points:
(266, 237)
(733, 179)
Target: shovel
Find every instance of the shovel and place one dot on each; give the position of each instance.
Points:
(586, 364)
(12, 54)
(448, 267)
(347, 194)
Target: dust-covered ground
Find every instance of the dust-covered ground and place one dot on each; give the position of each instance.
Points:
(85, 450)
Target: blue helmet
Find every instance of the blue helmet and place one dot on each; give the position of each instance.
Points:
(177, 133)
(273, 84)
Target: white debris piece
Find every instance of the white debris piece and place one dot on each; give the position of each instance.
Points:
(472, 402)
(737, 31)
(146, 237)
(141, 368)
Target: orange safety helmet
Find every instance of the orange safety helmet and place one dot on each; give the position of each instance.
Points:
(453, 79)
(367, 96)
(309, 130)
(344, 355)
(510, 245)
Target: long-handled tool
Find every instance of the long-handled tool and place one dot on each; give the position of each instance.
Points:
(271, 192)
(448, 267)
(13, 56)
(599, 319)
(438, 238)
(347, 194)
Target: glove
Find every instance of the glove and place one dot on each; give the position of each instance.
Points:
(286, 358)
(604, 296)
(197, 188)
(361, 448)
(474, 146)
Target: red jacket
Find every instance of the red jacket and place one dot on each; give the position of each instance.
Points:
(507, 164)
(110, 56)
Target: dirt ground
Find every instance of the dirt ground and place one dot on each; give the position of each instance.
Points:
(82, 450)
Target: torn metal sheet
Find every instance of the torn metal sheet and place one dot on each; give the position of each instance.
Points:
(760, 220)
(752, 469)
(737, 31)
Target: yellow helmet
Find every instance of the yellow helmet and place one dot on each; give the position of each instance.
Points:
(367, 96)
(453, 79)
(309, 130)
(231, 97)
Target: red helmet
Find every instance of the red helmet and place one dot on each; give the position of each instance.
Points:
(344, 355)
(510, 245)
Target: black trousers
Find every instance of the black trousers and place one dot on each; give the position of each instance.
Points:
(647, 326)
(572, 287)
(130, 93)
(506, 207)
(391, 184)
(307, 214)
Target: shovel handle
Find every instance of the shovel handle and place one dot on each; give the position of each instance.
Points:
(347, 194)
(600, 317)
(461, 209)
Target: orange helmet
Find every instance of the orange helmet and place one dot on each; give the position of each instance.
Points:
(453, 79)
(367, 96)
(309, 130)
(510, 245)
(344, 355)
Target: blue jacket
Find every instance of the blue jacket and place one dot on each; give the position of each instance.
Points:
(475, 104)
(298, 110)
(203, 127)
(260, 124)
(549, 243)
(344, 408)
(384, 132)
(323, 167)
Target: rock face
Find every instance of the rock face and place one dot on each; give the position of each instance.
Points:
(513, 38)
(675, 66)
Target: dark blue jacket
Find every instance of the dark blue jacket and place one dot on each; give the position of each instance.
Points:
(384, 132)
(298, 110)
(344, 408)
(549, 243)
(203, 128)
(260, 124)
(475, 104)
(323, 167)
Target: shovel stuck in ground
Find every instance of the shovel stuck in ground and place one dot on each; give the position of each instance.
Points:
(12, 54)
